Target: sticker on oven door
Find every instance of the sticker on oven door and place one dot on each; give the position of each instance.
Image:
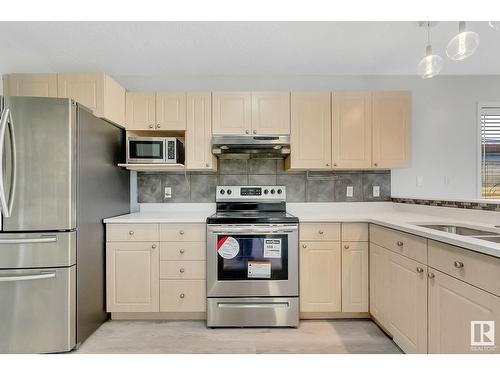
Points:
(228, 247)
(272, 248)
(260, 270)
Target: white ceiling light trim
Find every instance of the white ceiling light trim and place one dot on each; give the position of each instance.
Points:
(464, 44)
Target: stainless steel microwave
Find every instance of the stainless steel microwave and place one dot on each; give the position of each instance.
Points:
(155, 150)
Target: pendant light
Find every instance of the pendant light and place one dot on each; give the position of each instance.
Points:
(430, 65)
(463, 44)
(495, 25)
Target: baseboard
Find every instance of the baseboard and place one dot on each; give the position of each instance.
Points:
(334, 315)
(158, 316)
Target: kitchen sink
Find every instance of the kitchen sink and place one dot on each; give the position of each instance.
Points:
(460, 230)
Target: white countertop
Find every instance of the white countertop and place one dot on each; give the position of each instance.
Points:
(396, 216)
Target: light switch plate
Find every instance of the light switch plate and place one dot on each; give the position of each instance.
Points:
(420, 180)
(168, 193)
(376, 191)
(349, 191)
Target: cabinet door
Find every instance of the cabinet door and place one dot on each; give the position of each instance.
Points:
(320, 277)
(310, 131)
(378, 283)
(352, 130)
(171, 111)
(199, 132)
(391, 129)
(139, 111)
(355, 276)
(232, 113)
(132, 276)
(87, 89)
(44, 85)
(271, 113)
(407, 298)
(453, 307)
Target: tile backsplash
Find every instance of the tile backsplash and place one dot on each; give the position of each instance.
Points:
(200, 187)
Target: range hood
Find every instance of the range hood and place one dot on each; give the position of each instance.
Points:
(251, 146)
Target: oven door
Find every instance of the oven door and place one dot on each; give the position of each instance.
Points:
(252, 260)
(146, 150)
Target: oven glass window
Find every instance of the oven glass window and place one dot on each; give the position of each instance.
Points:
(252, 257)
(146, 149)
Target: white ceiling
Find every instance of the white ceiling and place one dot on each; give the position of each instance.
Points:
(235, 48)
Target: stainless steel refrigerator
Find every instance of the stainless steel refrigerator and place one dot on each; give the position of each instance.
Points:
(58, 180)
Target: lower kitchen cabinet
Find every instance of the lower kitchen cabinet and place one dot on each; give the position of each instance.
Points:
(379, 262)
(320, 277)
(132, 276)
(354, 276)
(183, 296)
(453, 307)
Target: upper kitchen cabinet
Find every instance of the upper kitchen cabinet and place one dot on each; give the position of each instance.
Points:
(311, 140)
(351, 130)
(232, 113)
(98, 92)
(199, 132)
(140, 111)
(391, 129)
(171, 111)
(270, 113)
(44, 85)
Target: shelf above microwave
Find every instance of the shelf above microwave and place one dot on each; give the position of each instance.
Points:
(153, 167)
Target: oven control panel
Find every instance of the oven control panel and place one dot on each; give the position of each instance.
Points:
(250, 193)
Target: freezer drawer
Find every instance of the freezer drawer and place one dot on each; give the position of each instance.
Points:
(32, 250)
(37, 310)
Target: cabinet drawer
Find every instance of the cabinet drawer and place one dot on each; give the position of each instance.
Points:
(320, 232)
(190, 269)
(411, 246)
(132, 232)
(477, 269)
(182, 296)
(354, 232)
(183, 232)
(183, 250)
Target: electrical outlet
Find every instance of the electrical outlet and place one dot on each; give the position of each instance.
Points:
(168, 193)
(420, 181)
(349, 191)
(376, 191)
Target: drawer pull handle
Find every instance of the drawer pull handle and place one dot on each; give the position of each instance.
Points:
(181, 232)
(420, 270)
(181, 270)
(458, 264)
(153, 246)
(430, 275)
(346, 247)
(304, 246)
(321, 232)
(181, 295)
(131, 232)
(400, 243)
(181, 251)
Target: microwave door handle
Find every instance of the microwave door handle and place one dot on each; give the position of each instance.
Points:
(4, 118)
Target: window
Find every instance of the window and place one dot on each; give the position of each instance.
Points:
(489, 118)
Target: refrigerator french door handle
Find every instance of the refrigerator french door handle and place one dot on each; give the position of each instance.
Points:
(10, 241)
(28, 277)
(6, 121)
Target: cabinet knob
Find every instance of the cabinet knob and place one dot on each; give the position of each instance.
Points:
(375, 164)
(346, 247)
(153, 246)
(420, 270)
(181, 270)
(181, 251)
(304, 246)
(181, 295)
(158, 126)
(131, 232)
(400, 243)
(430, 275)
(327, 164)
(458, 264)
(320, 231)
(181, 232)
(334, 164)
(151, 126)
(207, 165)
(255, 132)
(247, 131)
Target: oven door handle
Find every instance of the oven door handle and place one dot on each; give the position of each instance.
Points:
(259, 305)
(229, 231)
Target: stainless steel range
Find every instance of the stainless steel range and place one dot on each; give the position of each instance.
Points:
(252, 259)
